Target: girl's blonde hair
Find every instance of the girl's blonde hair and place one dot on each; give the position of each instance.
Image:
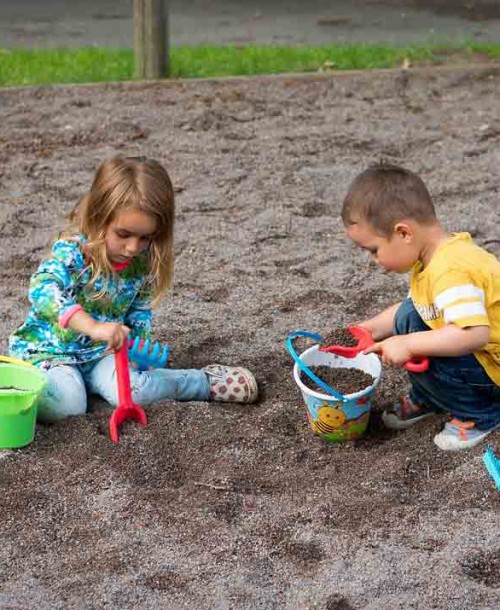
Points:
(122, 183)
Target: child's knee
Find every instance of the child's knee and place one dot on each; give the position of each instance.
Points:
(65, 395)
(102, 380)
(53, 408)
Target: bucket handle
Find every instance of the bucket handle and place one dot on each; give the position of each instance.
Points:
(303, 367)
(10, 360)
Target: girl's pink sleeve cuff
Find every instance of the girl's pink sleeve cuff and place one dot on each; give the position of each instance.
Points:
(68, 314)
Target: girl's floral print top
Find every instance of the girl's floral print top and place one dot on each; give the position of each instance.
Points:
(60, 287)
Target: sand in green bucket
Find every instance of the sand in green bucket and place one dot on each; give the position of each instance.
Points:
(20, 387)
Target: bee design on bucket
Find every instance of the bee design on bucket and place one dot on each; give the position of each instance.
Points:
(329, 418)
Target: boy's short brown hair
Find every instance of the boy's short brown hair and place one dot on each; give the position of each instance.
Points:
(385, 194)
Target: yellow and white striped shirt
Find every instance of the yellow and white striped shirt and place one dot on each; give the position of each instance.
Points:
(461, 285)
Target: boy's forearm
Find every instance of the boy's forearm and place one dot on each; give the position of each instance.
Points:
(450, 340)
(381, 326)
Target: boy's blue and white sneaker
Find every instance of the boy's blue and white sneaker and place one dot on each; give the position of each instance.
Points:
(457, 435)
(405, 413)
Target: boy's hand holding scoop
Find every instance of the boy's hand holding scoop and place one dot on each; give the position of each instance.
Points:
(392, 350)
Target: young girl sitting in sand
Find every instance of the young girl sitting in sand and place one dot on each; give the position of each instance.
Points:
(106, 272)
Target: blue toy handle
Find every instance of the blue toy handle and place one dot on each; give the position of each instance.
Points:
(304, 368)
(492, 464)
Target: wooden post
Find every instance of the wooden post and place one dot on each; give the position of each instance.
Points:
(151, 39)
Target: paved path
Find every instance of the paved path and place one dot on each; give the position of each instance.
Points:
(51, 23)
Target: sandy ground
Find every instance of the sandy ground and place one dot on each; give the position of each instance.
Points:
(56, 23)
(230, 507)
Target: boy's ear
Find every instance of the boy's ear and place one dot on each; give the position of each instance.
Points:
(404, 230)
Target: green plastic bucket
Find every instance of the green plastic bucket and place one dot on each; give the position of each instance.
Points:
(20, 387)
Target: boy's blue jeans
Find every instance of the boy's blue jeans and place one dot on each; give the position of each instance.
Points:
(457, 384)
(68, 386)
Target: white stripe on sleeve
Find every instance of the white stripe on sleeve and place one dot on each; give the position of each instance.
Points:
(465, 291)
(464, 310)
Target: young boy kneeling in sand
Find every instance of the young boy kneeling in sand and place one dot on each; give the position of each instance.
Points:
(452, 314)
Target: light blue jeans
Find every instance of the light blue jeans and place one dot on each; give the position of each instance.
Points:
(68, 387)
(456, 384)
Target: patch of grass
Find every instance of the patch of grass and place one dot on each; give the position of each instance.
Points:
(491, 50)
(20, 67)
(230, 61)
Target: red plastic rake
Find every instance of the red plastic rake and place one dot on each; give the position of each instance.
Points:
(126, 409)
(418, 364)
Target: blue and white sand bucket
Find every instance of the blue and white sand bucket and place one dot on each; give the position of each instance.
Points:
(334, 416)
